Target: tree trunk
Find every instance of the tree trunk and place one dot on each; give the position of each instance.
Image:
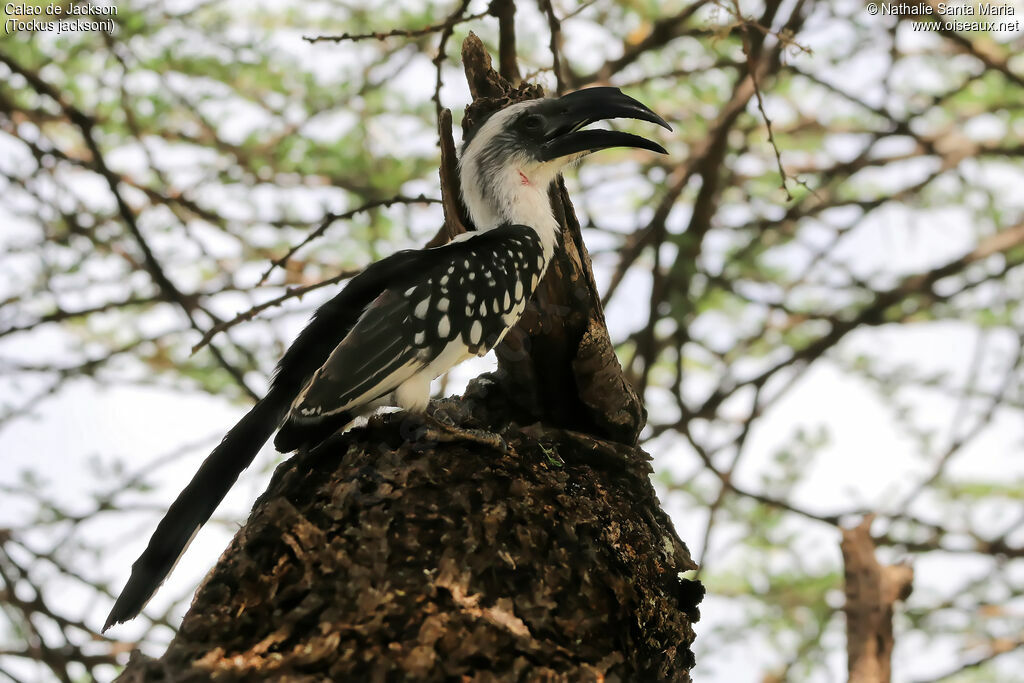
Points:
(380, 556)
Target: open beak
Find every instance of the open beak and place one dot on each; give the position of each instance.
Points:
(583, 107)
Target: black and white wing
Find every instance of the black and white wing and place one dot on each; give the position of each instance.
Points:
(444, 305)
(373, 359)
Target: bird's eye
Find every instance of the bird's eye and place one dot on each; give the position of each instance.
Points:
(532, 122)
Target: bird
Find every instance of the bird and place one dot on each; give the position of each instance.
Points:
(409, 318)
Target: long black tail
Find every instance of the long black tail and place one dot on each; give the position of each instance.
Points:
(197, 502)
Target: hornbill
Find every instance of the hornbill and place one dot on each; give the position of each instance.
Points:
(411, 317)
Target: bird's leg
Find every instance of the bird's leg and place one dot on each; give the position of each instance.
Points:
(441, 428)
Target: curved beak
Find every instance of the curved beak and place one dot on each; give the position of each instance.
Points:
(583, 107)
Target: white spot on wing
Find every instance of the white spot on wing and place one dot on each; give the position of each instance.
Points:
(442, 304)
(443, 326)
(421, 309)
(475, 332)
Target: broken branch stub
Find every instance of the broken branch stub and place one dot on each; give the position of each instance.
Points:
(872, 590)
(455, 219)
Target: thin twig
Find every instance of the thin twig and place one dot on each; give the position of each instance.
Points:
(446, 33)
(290, 293)
(329, 220)
(397, 32)
(508, 66)
(555, 40)
(752, 70)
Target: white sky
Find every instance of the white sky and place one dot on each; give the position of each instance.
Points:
(869, 461)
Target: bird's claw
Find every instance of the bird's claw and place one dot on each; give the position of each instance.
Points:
(442, 430)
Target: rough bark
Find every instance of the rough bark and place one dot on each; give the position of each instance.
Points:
(381, 556)
(872, 590)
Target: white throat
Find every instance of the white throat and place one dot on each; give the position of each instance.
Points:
(514, 198)
(514, 190)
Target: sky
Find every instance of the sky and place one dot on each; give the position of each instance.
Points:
(869, 460)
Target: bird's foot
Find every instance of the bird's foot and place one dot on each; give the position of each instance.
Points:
(439, 429)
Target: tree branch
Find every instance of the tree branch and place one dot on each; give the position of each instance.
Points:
(871, 592)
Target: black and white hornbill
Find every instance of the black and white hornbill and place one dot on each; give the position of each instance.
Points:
(411, 317)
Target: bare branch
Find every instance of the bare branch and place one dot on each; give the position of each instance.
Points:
(505, 11)
(449, 23)
(290, 293)
(329, 220)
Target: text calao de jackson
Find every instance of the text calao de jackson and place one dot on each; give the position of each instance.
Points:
(84, 10)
